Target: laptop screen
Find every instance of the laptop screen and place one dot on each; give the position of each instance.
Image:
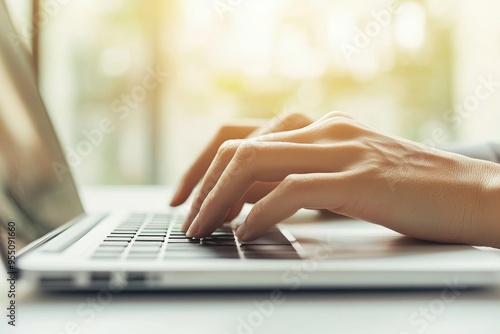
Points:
(35, 197)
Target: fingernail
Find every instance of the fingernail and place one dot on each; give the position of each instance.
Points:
(241, 231)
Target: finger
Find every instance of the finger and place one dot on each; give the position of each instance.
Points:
(256, 192)
(259, 190)
(335, 126)
(283, 122)
(268, 162)
(224, 155)
(313, 191)
(234, 211)
(201, 164)
(219, 163)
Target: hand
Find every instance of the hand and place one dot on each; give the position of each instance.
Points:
(338, 164)
(239, 131)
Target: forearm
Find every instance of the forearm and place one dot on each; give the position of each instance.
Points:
(489, 221)
(482, 151)
(487, 218)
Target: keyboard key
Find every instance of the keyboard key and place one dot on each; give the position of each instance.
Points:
(201, 254)
(156, 244)
(143, 250)
(268, 248)
(222, 234)
(115, 243)
(183, 245)
(270, 238)
(117, 239)
(197, 248)
(210, 243)
(184, 240)
(147, 242)
(149, 238)
(222, 238)
(198, 255)
(105, 257)
(272, 255)
(109, 250)
(142, 256)
(145, 235)
(110, 247)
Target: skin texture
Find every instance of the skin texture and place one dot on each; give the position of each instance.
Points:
(341, 165)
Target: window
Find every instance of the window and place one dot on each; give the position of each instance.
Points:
(411, 68)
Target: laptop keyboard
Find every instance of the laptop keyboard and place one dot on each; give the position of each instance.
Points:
(158, 237)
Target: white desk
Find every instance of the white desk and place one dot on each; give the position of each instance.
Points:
(311, 312)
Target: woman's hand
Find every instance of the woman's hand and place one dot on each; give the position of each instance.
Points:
(338, 164)
(258, 190)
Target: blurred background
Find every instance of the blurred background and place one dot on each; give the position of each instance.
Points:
(164, 75)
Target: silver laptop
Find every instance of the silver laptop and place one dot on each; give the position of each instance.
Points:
(49, 239)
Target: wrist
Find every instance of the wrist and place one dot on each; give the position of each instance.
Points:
(489, 215)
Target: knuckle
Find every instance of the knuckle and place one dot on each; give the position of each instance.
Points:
(246, 152)
(337, 114)
(293, 183)
(294, 119)
(207, 185)
(340, 127)
(198, 201)
(228, 147)
(288, 121)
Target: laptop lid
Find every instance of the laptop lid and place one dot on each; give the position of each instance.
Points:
(35, 196)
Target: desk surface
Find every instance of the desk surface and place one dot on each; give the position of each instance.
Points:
(245, 312)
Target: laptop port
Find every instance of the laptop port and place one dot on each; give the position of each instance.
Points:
(100, 277)
(136, 277)
(57, 282)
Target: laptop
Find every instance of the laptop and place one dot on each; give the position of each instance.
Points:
(48, 238)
